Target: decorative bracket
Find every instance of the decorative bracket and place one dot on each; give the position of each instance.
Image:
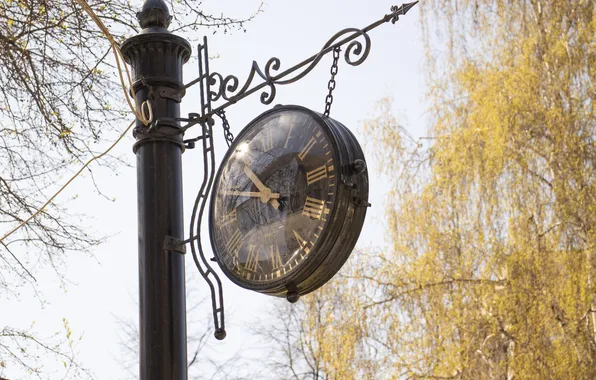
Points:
(196, 244)
(215, 86)
(174, 244)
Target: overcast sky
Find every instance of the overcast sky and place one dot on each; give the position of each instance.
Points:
(104, 287)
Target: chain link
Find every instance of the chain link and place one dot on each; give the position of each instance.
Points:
(331, 85)
(226, 127)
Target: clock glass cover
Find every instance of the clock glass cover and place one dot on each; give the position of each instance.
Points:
(274, 200)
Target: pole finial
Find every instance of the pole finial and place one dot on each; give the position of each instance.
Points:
(155, 13)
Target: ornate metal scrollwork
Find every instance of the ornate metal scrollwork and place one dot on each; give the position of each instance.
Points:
(228, 87)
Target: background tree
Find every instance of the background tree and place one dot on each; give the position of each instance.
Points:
(325, 335)
(60, 102)
(491, 217)
(204, 360)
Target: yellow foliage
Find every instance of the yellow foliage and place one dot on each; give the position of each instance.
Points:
(493, 223)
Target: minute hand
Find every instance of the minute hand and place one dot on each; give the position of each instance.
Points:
(254, 179)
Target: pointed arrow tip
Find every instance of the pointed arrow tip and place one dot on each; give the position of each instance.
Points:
(401, 10)
(407, 6)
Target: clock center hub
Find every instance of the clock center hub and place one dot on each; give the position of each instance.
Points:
(265, 195)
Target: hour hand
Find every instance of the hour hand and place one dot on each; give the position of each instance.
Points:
(252, 194)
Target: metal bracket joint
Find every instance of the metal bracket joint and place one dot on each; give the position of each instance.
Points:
(174, 244)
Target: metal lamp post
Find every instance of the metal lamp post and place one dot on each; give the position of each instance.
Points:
(156, 57)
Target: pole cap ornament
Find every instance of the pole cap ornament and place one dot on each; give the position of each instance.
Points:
(155, 13)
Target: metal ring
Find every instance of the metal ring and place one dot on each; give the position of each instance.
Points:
(146, 119)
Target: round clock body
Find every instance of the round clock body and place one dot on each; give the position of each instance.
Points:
(288, 203)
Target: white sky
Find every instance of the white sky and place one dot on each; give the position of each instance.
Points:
(105, 286)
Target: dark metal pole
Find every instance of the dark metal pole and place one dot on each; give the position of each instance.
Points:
(156, 57)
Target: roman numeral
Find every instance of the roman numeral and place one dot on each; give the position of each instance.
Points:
(234, 242)
(289, 135)
(301, 242)
(307, 148)
(229, 218)
(243, 154)
(313, 208)
(226, 172)
(316, 174)
(275, 256)
(253, 258)
(267, 140)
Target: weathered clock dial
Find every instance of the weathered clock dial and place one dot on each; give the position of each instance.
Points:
(282, 198)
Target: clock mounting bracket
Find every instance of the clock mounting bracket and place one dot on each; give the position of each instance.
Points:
(226, 91)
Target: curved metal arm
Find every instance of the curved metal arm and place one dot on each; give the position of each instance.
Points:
(196, 245)
(227, 88)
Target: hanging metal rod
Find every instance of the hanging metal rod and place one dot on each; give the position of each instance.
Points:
(227, 88)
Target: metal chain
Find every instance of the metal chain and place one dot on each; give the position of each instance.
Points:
(226, 127)
(331, 85)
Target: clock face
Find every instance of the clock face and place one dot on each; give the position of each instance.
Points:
(273, 198)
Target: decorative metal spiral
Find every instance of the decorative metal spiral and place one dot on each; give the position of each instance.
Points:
(227, 88)
(357, 51)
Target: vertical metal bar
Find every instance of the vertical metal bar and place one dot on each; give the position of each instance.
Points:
(203, 80)
(156, 57)
(204, 75)
(208, 80)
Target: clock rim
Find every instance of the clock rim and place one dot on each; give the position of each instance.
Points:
(348, 231)
(335, 224)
